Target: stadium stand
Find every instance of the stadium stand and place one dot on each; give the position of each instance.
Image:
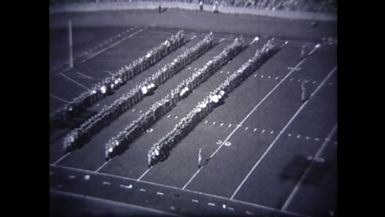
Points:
(323, 6)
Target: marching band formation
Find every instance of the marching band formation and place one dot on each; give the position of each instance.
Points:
(120, 142)
(162, 148)
(108, 113)
(113, 82)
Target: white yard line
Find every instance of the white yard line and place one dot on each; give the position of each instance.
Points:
(98, 169)
(177, 188)
(247, 116)
(110, 46)
(82, 196)
(109, 73)
(70, 79)
(318, 154)
(61, 158)
(85, 76)
(103, 50)
(59, 98)
(140, 177)
(281, 132)
(192, 177)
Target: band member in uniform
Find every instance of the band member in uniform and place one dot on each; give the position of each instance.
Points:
(303, 51)
(215, 8)
(200, 158)
(303, 91)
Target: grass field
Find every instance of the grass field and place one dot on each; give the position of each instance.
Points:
(268, 152)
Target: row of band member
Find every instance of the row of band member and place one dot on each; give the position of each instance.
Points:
(109, 84)
(109, 113)
(160, 150)
(119, 143)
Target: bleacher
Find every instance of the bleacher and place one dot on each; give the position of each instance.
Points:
(322, 6)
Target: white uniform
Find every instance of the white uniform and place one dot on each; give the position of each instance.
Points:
(303, 91)
(303, 51)
(215, 9)
(200, 158)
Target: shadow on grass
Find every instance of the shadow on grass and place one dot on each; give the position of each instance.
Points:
(296, 167)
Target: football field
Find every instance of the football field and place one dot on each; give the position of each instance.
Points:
(266, 152)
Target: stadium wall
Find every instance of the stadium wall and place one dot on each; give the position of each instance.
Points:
(113, 6)
(294, 29)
